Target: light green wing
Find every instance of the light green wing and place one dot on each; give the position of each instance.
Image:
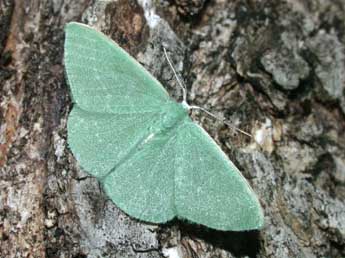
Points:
(184, 173)
(100, 141)
(104, 78)
(209, 189)
(143, 185)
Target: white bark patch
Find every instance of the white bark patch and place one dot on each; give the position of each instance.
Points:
(59, 145)
(171, 252)
(264, 136)
(150, 13)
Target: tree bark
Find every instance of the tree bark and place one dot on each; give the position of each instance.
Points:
(273, 68)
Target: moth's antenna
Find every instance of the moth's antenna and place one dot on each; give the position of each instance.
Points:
(184, 90)
(221, 119)
(179, 81)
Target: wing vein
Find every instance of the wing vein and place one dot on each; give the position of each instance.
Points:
(154, 165)
(110, 76)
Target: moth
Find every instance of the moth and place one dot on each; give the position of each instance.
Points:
(153, 161)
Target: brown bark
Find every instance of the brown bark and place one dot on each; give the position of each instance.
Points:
(273, 68)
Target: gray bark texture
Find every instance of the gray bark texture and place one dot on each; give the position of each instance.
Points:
(273, 68)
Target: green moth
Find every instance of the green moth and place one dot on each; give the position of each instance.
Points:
(153, 161)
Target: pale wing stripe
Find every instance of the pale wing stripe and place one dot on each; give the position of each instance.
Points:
(72, 34)
(108, 76)
(120, 133)
(154, 166)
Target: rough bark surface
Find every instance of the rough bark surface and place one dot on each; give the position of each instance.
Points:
(273, 68)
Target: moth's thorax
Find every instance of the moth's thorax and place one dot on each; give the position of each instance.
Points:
(172, 114)
(169, 119)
